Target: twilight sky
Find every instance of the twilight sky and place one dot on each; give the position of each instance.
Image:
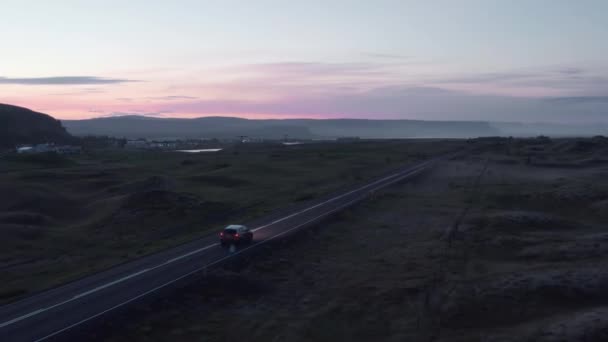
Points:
(516, 60)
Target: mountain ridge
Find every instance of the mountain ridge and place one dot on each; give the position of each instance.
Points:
(19, 125)
(226, 126)
(222, 127)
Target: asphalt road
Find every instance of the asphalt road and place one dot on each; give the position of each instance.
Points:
(53, 313)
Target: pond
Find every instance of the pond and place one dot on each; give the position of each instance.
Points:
(200, 150)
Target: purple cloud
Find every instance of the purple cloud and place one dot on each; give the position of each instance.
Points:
(62, 80)
(579, 100)
(173, 97)
(138, 113)
(398, 102)
(388, 56)
(84, 91)
(571, 71)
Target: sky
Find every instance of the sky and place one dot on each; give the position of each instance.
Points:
(517, 60)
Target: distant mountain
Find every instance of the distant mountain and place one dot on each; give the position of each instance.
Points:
(517, 129)
(132, 126)
(23, 126)
(228, 127)
(398, 128)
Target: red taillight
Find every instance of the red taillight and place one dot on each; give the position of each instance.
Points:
(222, 234)
(236, 235)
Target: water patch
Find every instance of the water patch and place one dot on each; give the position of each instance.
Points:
(200, 150)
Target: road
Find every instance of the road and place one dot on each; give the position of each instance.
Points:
(53, 313)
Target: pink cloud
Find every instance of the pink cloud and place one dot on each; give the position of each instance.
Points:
(318, 90)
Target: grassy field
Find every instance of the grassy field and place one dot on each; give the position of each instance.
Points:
(362, 276)
(64, 217)
(506, 244)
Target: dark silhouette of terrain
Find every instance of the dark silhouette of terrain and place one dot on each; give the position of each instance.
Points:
(23, 126)
(134, 126)
(228, 127)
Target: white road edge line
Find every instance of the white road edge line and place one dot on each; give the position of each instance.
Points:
(111, 283)
(22, 317)
(80, 295)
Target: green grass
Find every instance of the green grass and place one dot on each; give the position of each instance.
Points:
(62, 218)
(359, 277)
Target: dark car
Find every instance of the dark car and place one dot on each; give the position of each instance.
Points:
(235, 234)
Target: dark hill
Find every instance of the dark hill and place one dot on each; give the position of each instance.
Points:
(23, 126)
(230, 127)
(132, 126)
(227, 127)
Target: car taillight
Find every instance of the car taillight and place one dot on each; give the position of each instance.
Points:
(236, 235)
(222, 234)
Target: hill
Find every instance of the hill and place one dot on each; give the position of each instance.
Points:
(23, 126)
(228, 127)
(134, 126)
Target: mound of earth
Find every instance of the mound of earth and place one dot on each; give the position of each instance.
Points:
(23, 126)
(25, 218)
(576, 191)
(39, 200)
(572, 249)
(13, 233)
(525, 295)
(160, 200)
(588, 325)
(521, 221)
(601, 207)
(223, 181)
(583, 146)
(154, 183)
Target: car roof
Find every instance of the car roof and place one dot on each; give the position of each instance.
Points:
(235, 226)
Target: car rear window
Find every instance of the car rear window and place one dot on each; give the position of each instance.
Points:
(230, 231)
